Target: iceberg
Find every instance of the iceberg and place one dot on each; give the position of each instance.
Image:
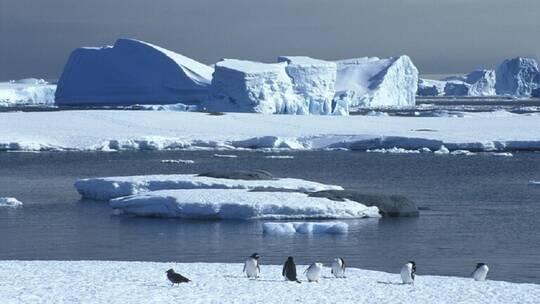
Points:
(536, 92)
(517, 76)
(253, 87)
(280, 228)
(314, 81)
(106, 188)
(456, 88)
(131, 72)
(10, 202)
(391, 82)
(482, 82)
(29, 91)
(238, 204)
(429, 87)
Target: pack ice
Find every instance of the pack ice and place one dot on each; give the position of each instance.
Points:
(373, 82)
(517, 76)
(131, 72)
(28, 91)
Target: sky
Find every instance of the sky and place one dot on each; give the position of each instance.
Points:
(441, 36)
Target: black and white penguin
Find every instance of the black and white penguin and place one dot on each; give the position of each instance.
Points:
(338, 268)
(289, 270)
(313, 272)
(481, 271)
(408, 272)
(176, 278)
(251, 266)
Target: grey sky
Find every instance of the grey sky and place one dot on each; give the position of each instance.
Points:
(441, 36)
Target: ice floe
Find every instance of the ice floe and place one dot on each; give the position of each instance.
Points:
(238, 204)
(177, 161)
(10, 202)
(288, 228)
(111, 187)
(144, 282)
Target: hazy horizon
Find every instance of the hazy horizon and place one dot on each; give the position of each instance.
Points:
(450, 36)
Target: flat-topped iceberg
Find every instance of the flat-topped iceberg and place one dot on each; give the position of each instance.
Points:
(111, 187)
(390, 82)
(288, 228)
(131, 72)
(517, 76)
(253, 87)
(314, 81)
(238, 204)
(28, 91)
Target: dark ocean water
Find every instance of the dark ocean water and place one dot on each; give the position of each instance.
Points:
(474, 209)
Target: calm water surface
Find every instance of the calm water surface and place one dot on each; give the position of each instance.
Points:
(474, 208)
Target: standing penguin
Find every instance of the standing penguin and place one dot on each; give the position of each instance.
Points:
(481, 271)
(313, 272)
(289, 270)
(338, 268)
(408, 272)
(251, 266)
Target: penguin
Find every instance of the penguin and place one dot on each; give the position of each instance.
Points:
(338, 268)
(251, 266)
(408, 272)
(289, 270)
(176, 278)
(313, 272)
(481, 271)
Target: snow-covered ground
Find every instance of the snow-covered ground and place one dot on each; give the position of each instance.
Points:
(145, 282)
(239, 204)
(143, 130)
(105, 188)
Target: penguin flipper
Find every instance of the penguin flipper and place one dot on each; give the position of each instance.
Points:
(244, 270)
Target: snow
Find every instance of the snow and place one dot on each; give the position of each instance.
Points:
(281, 228)
(105, 188)
(131, 72)
(29, 91)
(10, 202)
(151, 130)
(391, 82)
(145, 282)
(313, 81)
(238, 204)
(255, 87)
(517, 76)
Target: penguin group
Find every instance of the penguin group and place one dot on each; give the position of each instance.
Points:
(313, 273)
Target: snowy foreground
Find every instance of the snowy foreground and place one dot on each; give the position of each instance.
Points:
(149, 130)
(145, 282)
